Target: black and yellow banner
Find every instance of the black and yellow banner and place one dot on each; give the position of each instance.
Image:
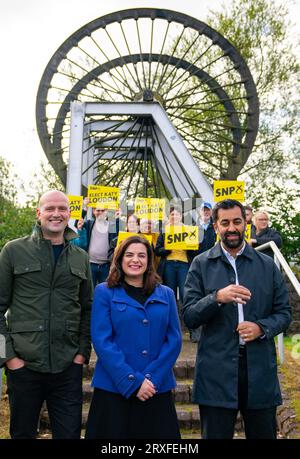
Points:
(103, 197)
(125, 234)
(75, 206)
(229, 189)
(183, 237)
(150, 208)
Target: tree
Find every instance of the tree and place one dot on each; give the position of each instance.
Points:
(15, 221)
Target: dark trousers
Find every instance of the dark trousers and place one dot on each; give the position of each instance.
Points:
(219, 423)
(175, 273)
(99, 272)
(27, 390)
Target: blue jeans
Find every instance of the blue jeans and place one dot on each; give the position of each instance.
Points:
(175, 273)
(99, 272)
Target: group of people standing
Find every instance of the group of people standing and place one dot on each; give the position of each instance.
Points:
(233, 293)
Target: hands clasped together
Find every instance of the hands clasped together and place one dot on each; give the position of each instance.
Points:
(146, 390)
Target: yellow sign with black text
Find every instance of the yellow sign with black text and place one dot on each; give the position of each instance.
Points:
(229, 189)
(125, 235)
(75, 206)
(150, 208)
(183, 237)
(103, 197)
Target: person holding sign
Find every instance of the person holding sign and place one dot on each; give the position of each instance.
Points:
(132, 226)
(174, 264)
(96, 234)
(239, 298)
(207, 232)
(137, 338)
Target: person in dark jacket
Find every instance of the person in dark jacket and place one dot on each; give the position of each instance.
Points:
(95, 236)
(262, 233)
(46, 291)
(136, 336)
(239, 298)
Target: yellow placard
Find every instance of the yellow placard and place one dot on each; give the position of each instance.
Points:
(125, 234)
(103, 197)
(229, 189)
(183, 237)
(248, 232)
(75, 206)
(150, 208)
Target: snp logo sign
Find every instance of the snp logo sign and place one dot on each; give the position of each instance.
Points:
(2, 347)
(229, 189)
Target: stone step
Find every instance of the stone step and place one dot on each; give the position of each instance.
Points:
(182, 392)
(183, 369)
(187, 414)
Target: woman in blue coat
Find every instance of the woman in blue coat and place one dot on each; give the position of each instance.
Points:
(137, 339)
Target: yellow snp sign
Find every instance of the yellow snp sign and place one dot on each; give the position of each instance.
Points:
(104, 197)
(75, 206)
(150, 208)
(232, 189)
(124, 235)
(247, 234)
(182, 237)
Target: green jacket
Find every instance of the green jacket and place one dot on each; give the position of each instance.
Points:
(48, 307)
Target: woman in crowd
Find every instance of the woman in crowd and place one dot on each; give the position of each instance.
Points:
(263, 233)
(132, 226)
(137, 338)
(174, 264)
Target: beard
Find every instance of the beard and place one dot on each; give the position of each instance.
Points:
(233, 244)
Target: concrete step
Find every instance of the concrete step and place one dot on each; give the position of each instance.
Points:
(187, 414)
(182, 392)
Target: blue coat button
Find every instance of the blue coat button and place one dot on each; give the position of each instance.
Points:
(131, 377)
(145, 321)
(145, 352)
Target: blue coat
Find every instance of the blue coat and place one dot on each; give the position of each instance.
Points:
(134, 342)
(216, 379)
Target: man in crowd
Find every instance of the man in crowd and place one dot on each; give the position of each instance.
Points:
(239, 298)
(46, 291)
(206, 230)
(99, 233)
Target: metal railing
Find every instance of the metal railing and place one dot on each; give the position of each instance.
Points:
(281, 262)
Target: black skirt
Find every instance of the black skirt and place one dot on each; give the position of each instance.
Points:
(113, 416)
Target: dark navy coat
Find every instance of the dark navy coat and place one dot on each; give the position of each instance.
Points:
(216, 379)
(134, 341)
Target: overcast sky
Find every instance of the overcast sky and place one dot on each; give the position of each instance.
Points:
(30, 32)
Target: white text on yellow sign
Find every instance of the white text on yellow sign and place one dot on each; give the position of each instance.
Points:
(75, 206)
(229, 189)
(184, 237)
(150, 208)
(103, 197)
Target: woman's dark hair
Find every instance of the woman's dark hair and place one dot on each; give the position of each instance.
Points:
(227, 204)
(132, 214)
(176, 208)
(116, 274)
